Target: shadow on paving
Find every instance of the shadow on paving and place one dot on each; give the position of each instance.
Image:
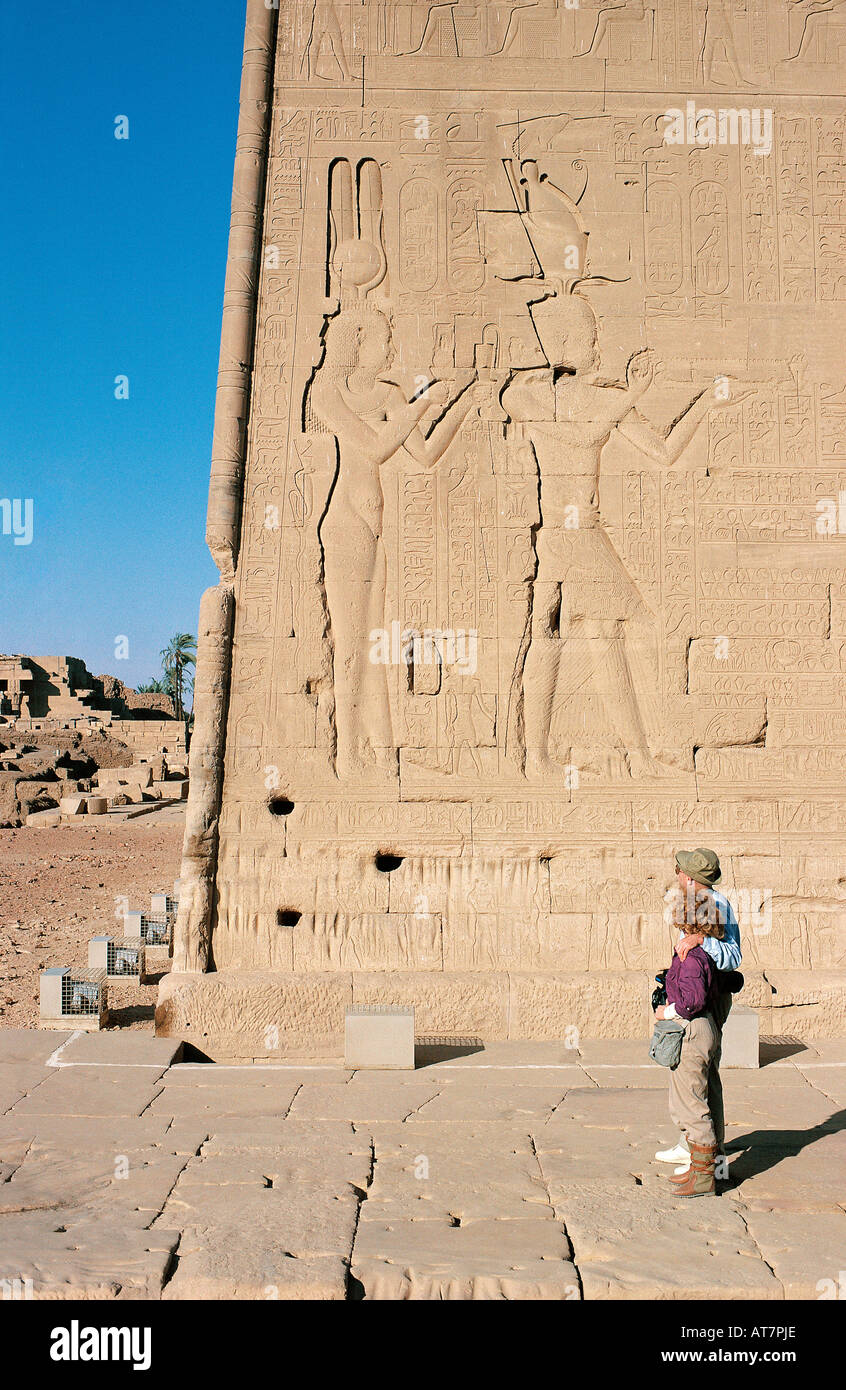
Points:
(430, 1050)
(777, 1049)
(763, 1149)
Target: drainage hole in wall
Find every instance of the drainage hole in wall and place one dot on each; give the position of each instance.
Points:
(387, 863)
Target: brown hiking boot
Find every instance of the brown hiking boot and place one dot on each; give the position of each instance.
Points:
(721, 1173)
(698, 1181)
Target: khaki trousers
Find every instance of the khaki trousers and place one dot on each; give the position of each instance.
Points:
(719, 1013)
(690, 1082)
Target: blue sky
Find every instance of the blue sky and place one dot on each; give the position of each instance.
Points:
(112, 259)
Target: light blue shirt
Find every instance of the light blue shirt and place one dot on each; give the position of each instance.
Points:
(726, 954)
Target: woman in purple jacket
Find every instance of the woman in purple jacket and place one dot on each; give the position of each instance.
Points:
(691, 992)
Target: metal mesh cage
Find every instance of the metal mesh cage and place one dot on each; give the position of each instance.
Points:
(156, 931)
(126, 958)
(84, 992)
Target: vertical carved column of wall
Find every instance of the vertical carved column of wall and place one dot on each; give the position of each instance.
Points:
(199, 848)
(241, 289)
(217, 608)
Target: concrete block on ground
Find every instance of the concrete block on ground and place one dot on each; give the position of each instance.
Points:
(97, 805)
(73, 805)
(122, 959)
(741, 1042)
(76, 999)
(379, 1037)
(133, 923)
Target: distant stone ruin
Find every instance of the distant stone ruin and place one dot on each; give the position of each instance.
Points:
(65, 733)
(48, 693)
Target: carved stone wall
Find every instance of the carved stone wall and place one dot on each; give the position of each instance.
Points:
(529, 500)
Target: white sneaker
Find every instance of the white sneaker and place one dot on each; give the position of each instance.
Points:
(685, 1168)
(677, 1155)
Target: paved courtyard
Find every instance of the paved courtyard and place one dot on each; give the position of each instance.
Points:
(510, 1171)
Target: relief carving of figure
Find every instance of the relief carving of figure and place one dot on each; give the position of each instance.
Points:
(579, 665)
(632, 10)
(717, 38)
(324, 54)
(373, 423)
(814, 13)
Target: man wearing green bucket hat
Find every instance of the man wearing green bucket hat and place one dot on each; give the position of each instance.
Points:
(698, 872)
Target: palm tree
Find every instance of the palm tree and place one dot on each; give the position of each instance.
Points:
(180, 652)
(154, 686)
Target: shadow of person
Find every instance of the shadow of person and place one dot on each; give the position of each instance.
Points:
(762, 1149)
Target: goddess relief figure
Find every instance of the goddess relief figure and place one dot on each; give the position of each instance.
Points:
(373, 423)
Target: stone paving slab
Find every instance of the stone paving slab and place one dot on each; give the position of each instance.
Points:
(491, 1102)
(762, 1108)
(804, 1249)
(780, 1176)
(639, 1077)
(484, 1259)
(443, 1156)
(78, 1259)
(380, 1102)
(29, 1045)
(823, 1049)
(462, 1200)
(518, 1176)
(90, 1091)
(620, 1109)
(831, 1081)
(226, 1267)
(194, 1074)
(17, 1081)
(581, 1156)
(112, 1133)
(309, 1220)
(568, 1076)
(208, 1102)
(613, 1051)
(121, 1048)
(280, 1168)
(133, 1184)
(642, 1244)
(232, 1135)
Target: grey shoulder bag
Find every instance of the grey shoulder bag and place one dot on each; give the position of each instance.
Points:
(666, 1045)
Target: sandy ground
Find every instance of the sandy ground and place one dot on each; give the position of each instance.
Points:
(60, 887)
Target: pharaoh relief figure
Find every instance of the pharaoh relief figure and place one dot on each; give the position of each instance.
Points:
(353, 396)
(580, 663)
(324, 54)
